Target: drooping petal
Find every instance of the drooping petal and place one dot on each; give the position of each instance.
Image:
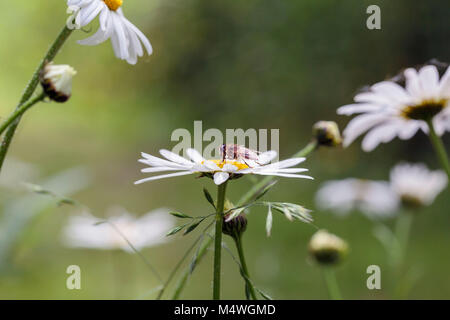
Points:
(220, 177)
(383, 133)
(360, 124)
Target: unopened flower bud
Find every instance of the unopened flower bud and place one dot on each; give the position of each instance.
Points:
(235, 227)
(56, 80)
(327, 248)
(327, 133)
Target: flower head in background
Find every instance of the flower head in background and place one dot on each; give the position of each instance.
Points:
(326, 248)
(327, 134)
(415, 185)
(16, 173)
(375, 199)
(128, 42)
(87, 231)
(219, 170)
(389, 110)
(56, 80)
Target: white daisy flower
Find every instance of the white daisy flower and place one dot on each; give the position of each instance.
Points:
(416, 185)
(389, 110)
(84, 231)
(219, 170)
(127, 40)
(372, 198)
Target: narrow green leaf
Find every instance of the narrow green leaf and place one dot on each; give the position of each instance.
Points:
(209, 197)
(67, 201)
(264, 295)
(180, 215)
(266, 189)
(192, 227)
(176, 230)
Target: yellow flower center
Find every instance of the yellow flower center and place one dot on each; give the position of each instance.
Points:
(113, 4)
(235, 163)
(425, 110)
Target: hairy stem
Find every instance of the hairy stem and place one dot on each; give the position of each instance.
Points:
(19, 111)
(439, 148)
(218, 240)
(30, 88)
(249, 284)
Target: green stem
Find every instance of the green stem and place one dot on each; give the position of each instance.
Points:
(249, 284)
(310, 147)
(332, 285)
(402, 232)
(439, 148)
(30, 88)
(19, 111)
(218, 239)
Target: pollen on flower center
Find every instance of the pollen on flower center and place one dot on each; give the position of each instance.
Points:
(425, 110)
(113, 4)
(239, 165)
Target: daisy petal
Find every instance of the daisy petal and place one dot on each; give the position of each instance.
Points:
(220, 177)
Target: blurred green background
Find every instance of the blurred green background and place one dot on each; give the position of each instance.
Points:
(231, 64)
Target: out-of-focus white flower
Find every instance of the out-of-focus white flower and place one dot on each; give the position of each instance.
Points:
(56, 80)
(389, 110)
(15, 173)
(373, 198)
(86, 231)
(127, 40)
(219, 170)
(416, 185)
(327, 248)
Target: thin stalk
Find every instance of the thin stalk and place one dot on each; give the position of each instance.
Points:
(31, 87)
(310, 147)
(332, 285)
(19, 111)
(402, 232)
(178, 265)
(439, 148)
(249, 284)
(184, 278)
(218, 240)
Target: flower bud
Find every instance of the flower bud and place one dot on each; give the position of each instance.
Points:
(235, 227)
(327, 133)
(56, 80)
(327, 248)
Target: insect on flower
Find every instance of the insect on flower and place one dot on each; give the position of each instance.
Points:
(248, 156)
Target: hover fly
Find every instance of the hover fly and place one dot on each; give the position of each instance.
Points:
(245, 155)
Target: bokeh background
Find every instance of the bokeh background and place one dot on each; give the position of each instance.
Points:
(231, 64)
